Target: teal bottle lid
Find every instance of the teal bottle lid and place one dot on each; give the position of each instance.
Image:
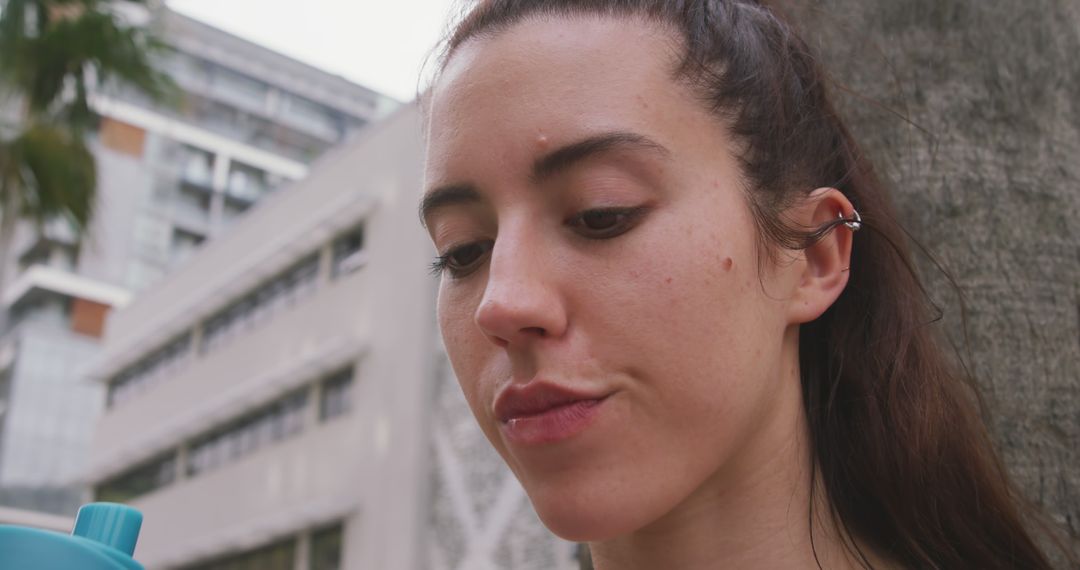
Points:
(103, 539)
(110, 524)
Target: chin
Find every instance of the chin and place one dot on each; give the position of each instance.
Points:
(577, 525)
(587, 515)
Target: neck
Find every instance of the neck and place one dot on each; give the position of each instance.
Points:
(753, 513)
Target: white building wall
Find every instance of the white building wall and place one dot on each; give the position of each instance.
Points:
(366, 467)
(295, 485)
(401, 317)
(123, 181)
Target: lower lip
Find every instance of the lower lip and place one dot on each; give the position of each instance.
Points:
(554, 425)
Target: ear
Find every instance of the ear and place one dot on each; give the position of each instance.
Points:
(826, 263)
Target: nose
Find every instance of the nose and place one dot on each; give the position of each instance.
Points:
(521, 301)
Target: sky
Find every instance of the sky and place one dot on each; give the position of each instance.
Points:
(380, 44)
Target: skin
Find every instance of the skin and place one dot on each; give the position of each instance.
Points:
(698, 458)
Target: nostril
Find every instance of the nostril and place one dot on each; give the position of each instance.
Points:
(538, 331)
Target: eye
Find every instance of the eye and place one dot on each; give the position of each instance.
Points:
(606, 223)
(463, 259)
(600, 220)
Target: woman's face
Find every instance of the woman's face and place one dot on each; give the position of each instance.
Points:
(601, 301)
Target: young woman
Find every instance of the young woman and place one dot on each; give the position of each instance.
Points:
(680, 307)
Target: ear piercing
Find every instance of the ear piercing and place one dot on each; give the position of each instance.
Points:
(854, 223)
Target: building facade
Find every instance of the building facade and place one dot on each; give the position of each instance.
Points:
(246, 121)
(301, 413)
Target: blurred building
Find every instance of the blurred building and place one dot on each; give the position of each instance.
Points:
(246, 122)
(283, 401)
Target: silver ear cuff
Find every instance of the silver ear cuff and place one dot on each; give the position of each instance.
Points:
(855, 223)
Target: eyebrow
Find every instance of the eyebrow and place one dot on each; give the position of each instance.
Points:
(552, 163)
(445, 196)
(564, 158)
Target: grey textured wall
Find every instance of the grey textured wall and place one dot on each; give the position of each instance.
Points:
(480, 517)
(988, 177)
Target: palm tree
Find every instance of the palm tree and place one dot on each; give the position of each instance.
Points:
(52, 53)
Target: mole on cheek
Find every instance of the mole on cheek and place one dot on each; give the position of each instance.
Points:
(728, 263)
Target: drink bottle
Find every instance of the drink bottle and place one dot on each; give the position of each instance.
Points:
(103, 539)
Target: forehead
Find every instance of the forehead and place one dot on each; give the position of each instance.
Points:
(548, 81)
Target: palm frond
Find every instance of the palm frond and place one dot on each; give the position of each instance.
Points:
(53, 63)
(54, 174)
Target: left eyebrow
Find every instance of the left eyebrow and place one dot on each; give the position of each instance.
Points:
(563, 158)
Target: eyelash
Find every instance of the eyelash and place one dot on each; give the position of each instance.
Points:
(629, 218)
(443, 262)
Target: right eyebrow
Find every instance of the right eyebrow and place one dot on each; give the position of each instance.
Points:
(444, 196)
(559, 160)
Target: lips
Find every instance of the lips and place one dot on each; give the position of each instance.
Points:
(535, 398)
(541, 412)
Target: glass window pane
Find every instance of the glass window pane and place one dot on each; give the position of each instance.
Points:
(336, 395)
(159, 364)
(326, 549)
(276, 556)
(139, 480)
(349, 252)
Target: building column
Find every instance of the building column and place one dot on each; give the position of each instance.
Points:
(219, 182)
(303, 551)
(326, 263)
(311, 418)
(196, 341)
(181, 463)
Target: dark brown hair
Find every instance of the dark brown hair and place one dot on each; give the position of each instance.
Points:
(895, 424)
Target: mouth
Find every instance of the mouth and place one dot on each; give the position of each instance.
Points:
(543, 413)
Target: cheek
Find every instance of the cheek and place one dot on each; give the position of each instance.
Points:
(695, 299)
(469, 351)
(460, 338)
(695, 330)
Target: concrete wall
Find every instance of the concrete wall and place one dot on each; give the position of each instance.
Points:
(969, 109)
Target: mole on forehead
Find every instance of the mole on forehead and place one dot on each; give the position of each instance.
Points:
(542, 142)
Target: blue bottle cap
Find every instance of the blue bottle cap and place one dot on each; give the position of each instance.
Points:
(113, 525)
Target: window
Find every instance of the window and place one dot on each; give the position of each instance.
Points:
(239, 88)
(184, 243)
(277, 556)
(152, 236)
(190, 207)
(326, 549)
(185, 68)
(50, 253)
(336, 397)
(311, 117)
(248, 183)
(41, 307)
(250, 310)
(349, 252)
(276, 421)
(140, 480)
(325, 554)
(196, 166)
(148, 370)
